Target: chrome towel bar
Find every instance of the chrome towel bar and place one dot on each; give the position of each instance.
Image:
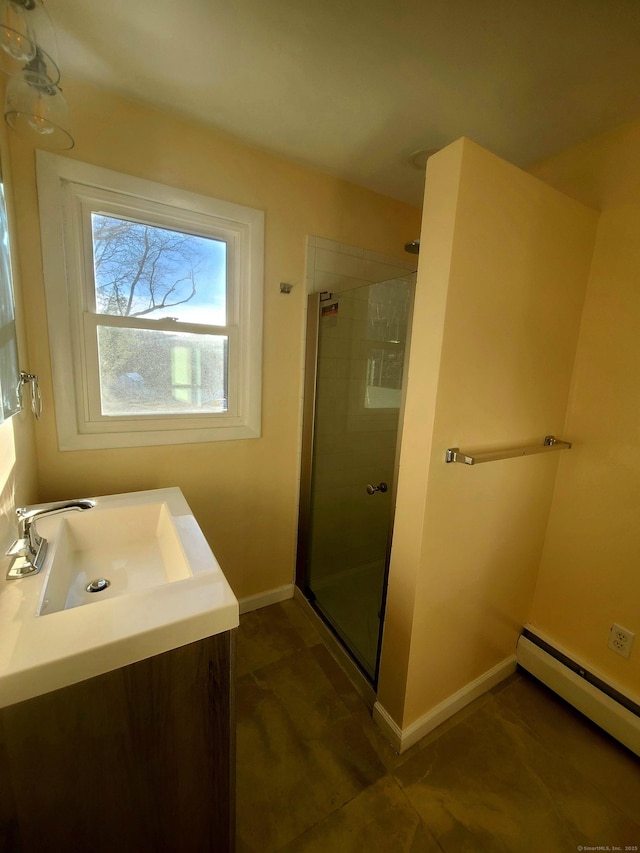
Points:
(454, 454)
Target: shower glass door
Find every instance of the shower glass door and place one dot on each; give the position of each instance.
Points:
(361, 341)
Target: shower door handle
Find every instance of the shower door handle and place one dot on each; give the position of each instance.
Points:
(371, 490)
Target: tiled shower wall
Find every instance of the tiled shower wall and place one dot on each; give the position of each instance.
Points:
(336, 266)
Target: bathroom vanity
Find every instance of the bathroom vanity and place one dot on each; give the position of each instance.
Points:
(116, 712)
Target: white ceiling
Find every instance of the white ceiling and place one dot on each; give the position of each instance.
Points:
(352, 87)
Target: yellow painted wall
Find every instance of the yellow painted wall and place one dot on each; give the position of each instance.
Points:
(18, 479)
(243, 493)
(501, 281)
(590, 569)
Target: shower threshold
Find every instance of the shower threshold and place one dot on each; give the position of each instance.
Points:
(335, 645)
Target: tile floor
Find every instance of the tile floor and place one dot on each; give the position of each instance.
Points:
(517, 771)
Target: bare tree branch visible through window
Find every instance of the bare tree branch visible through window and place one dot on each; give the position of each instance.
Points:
(141, 269)
(147, 270)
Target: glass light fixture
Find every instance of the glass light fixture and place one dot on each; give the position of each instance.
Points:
(26, 31)
(33, 104)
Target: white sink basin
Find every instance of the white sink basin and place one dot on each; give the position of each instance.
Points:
(131, 548)
(166, 590)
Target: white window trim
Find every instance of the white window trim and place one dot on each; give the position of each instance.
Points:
(64, 186)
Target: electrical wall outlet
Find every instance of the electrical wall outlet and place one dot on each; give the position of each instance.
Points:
(620, 640)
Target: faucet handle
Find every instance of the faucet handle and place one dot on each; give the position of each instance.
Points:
(30, 550)
(18, 549)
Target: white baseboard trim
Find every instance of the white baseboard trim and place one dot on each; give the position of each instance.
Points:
(621, 723)
(402, 739)
(388, 726)
(264, 599)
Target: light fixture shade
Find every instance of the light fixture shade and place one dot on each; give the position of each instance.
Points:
(34, 109)
(26, 31)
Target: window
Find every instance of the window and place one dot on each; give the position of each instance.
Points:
(9, 371)
(154, 299)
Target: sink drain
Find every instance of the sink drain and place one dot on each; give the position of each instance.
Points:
(98, 585)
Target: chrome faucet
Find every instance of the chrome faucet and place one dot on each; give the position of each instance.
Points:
(30, 549)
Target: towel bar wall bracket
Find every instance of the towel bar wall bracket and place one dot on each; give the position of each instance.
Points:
(454, 454)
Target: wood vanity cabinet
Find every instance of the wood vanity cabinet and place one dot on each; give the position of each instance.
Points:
(140, 759)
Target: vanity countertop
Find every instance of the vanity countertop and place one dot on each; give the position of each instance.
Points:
(41, 653)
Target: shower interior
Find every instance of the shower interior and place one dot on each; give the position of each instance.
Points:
(356, 343)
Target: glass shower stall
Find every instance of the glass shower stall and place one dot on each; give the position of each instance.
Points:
(355, 368)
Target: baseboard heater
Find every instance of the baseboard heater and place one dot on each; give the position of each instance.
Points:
(610, 709)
